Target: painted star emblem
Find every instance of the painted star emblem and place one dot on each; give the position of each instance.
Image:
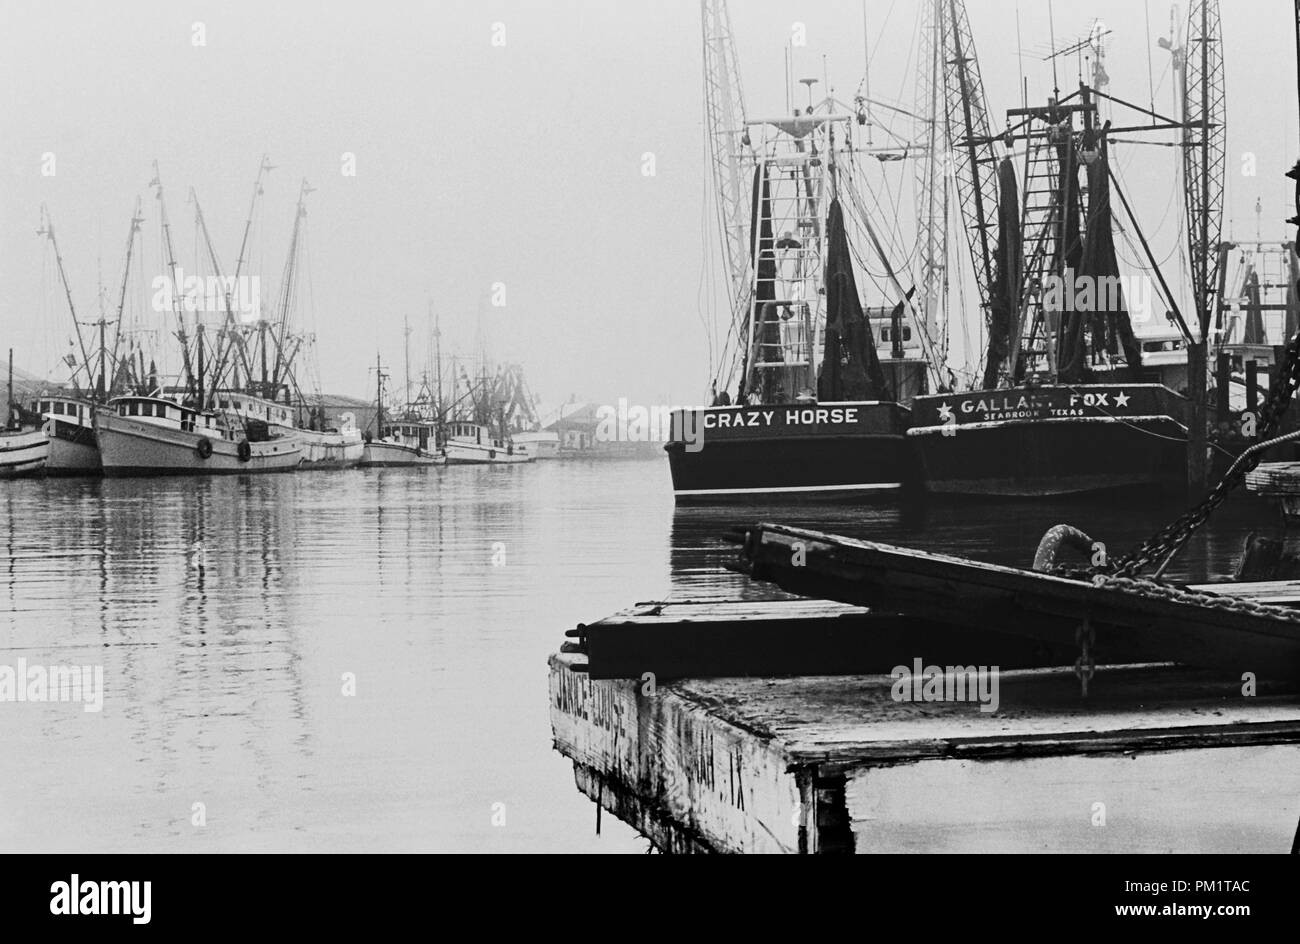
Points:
(945, 411)
(1121, 399)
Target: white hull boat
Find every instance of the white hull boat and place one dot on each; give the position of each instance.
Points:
(171, 439)
(23, 452)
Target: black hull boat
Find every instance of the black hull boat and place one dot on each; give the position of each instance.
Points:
(817, 451)
(1051, 440)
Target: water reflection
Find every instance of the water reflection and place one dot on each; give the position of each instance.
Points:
(228, 613)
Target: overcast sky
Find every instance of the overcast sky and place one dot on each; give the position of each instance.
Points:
(519, 163)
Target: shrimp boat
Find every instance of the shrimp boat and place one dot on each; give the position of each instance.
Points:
(1067, 403)
(22, 451)
(103, 370)
(474, 444)
(817, 412)
(409, 442)
(144, 435)
(69, 424)
(539, 444)
(339, 448)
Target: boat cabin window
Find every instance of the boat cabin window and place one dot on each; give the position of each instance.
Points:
(45, 406)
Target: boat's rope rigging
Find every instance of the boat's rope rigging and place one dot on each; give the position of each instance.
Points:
(704, 297)
(1168, 540)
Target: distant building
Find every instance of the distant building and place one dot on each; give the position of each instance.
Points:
(578, 424)
(337, 406)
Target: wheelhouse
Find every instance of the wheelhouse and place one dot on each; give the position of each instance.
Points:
(475, 434)
(68, 409)
(162, 412)
(255, 408)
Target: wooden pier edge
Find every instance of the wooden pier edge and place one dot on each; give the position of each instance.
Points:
(757, 765)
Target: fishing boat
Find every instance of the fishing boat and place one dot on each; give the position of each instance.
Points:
(143, 435)
(812, 397)
(101, 369)
(408, 442)
(539, 444)
(340, 448)
(817, 413)
(1065, 399)
(69, 424)
(475, 444)
(337, 448)
(1065, 408)
(23, 449)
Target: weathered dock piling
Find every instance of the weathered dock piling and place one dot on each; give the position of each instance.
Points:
(1160, 759)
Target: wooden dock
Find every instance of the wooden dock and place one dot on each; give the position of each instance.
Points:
(1159, 759)
(794, 636)
(1242, 626)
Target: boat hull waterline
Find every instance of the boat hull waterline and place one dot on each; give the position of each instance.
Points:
(1052, 440)
(392, 455)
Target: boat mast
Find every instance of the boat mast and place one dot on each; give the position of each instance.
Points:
(1204, 152)
(107, 384)
(974, 152)
(47, 230)
(181, 334)
(9, 409)
(437, 362)
(406, 332)
(379, 396)
(283, 364)
(728, 137)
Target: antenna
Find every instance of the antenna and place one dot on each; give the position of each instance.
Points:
(1051, 27)
(866, 67)
(809, 83)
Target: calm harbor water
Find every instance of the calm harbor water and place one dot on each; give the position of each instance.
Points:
(229, 615)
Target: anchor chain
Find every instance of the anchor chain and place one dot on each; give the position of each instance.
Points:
(1085, 667)
(1173, 535)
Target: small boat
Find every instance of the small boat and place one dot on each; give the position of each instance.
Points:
(541, 444)
(23, 450)
(474, 444)
(341, 448)
(321, 448)
(140, 435)
(406, 443)
(409, 443)
(69, 423)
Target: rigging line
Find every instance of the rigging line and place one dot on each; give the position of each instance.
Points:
(708, 323)
(1020, 61)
